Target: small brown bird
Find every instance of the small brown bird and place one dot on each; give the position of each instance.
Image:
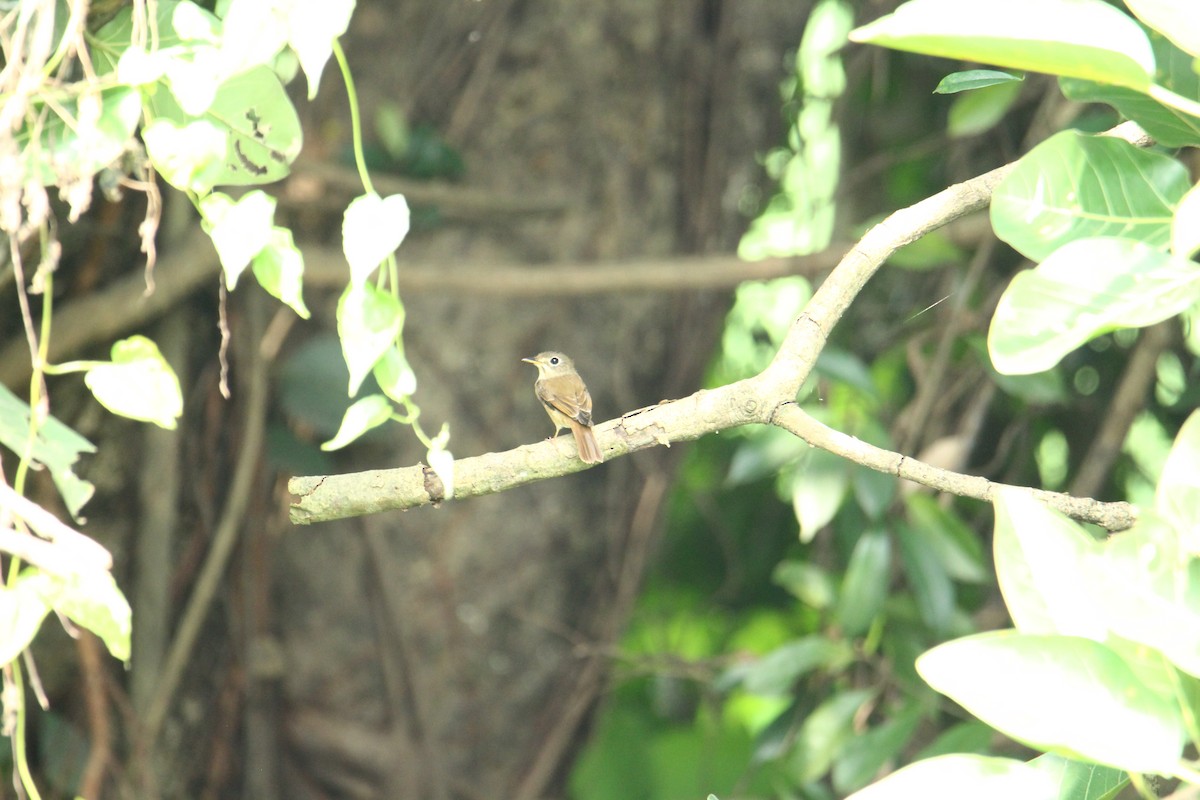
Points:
(566, 401)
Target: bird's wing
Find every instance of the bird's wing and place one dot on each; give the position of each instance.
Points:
(567, 396)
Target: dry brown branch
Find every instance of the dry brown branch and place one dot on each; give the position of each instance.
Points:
(124, 306)
(766, 398)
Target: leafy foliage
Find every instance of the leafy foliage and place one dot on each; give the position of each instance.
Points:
(1099, 672)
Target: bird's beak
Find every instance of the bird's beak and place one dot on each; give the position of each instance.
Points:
(530, 361)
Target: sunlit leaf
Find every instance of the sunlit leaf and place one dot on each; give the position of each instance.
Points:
(93, 600)
(1175, 19)
(363, 415)
(1041, 565)
(1082, 38)
(1073, 186)
(1086, 288)
(1147, 585)
(1064, 694)
(138, 383)
(369, 321)
(372, 228)
(818, 489)
(956, 776)
(1170, 126)
(22, 608)
(1185, 227)
(239, 229)
(279, 268)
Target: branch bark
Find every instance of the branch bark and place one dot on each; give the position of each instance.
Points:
(767, 398)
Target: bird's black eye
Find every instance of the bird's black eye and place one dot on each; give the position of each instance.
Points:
(554, 361)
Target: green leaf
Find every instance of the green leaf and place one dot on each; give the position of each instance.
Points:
(1041, 567)
(807, 582)
(139, 383)
(873, 490)
(56, 447)
(865, 755)
(239, 230)
(927, 578)
(93, 600)
(1175, 19)
(956, 545)
(394, 375)
(312, 28)
(818, 488)
(1065, 694)
(23, 606)
(363, 415)
(1169, 126)
(980, 110)
(254, 32)
(1086, 288)
(1081, 38)
(974, 79)
(971, 736)
(100, 128)
(823, 734)
(958, 776)
(1073, 186)
(188, 78)
(279, 268)
(865, 584)
(190, 156)
(369, 322)
(372, 228)
(932, 251)
(1177, 497)
(1185, 227)
(1079, 780)
(776, 673)
(262, 130)
(1147, 585)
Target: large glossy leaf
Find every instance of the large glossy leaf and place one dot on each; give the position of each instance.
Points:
(1173, 18)
(959, 775)
(1063, 694)
(1168, 125)
(1178, 495)
(1086, 288)
(1079, 780)
(1148, 587)
(1041, 564)
(1074, 186)
(1083, 38)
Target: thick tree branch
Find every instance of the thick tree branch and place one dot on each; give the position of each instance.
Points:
(766, 398)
